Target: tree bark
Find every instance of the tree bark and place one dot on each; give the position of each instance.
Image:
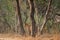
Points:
(32, 11)
(22, 31)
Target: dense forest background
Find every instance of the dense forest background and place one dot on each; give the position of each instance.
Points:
(30, 17)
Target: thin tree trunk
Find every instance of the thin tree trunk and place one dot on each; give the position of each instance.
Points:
(36, 10)
(22, 31)
(32, 11)
(45, 17)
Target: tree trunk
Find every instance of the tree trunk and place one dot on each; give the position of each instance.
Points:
(32, 11)
(21, 28)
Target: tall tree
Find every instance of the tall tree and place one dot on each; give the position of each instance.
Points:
(32, 11)
(20, 18)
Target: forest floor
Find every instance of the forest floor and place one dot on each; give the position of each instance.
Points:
(18, 37)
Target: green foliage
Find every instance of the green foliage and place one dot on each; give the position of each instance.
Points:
(8, 12)
(56, 3)
(25, 12)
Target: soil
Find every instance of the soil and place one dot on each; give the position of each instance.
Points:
(18, 37)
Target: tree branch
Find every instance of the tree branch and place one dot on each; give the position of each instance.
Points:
(45, 16)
